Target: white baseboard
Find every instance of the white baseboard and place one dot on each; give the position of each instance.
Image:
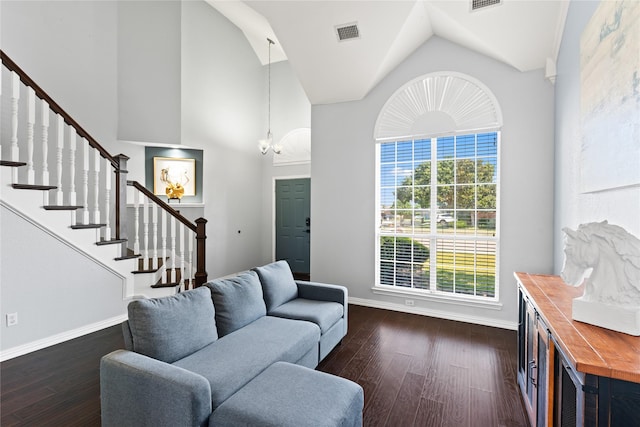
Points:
(434, 313)
(59, 338)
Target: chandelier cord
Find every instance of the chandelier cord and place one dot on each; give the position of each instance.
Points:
(269, 103)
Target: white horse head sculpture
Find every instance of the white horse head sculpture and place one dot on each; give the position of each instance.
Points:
(609, 258)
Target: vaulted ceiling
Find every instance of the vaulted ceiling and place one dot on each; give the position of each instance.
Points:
(524, 34)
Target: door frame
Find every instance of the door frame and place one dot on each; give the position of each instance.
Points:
(273, 209)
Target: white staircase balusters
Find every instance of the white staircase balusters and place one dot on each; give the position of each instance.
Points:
(172, 272)
(72, 167)
(44, 122)
(1, 68)
(145, 231)
(85, 181)
(136, 222)
(96, 186)
(163, 236)
(183, 233)
(15, 97)
(107, 199)
(154, 232)
(31, 121)
(59, 148)
(191, 273)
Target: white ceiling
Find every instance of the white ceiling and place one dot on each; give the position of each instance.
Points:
(521, 33)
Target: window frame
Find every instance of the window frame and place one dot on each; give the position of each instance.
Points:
(433, 235)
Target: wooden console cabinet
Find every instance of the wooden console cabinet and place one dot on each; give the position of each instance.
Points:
(571, 373)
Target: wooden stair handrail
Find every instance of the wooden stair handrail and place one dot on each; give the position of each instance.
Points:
(144, 190)
(24, 77)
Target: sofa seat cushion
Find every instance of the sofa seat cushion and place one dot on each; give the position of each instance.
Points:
(158, 324)
(278, 284)
(237, 300)
(235, 359)
(323, 313)
(287, 395)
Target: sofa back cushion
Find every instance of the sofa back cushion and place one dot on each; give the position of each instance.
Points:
(278, 284)
(238, 301)
(173, 327)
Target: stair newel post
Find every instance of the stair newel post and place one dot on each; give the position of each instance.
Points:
(72, 166)
(121, 200)
(154, 222)
(31, 121)
(44, 122)
(15, 97)
(145, 230)
(201, 237)
(85, 181)
(107, 199)
(59, 148)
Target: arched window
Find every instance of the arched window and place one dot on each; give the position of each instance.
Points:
(437, 188)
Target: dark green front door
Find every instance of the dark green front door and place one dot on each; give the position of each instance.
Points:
(293, 223)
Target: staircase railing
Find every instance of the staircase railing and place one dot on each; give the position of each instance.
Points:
(80, 177)
(167, 239)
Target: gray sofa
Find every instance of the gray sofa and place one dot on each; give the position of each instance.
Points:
(189, 353)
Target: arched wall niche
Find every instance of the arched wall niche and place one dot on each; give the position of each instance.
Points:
(438, 103)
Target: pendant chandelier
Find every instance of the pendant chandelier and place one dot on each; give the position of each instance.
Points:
(265, 144)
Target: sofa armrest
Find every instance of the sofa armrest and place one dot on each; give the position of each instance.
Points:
(136, 390)
(325, 292)
(322, 292)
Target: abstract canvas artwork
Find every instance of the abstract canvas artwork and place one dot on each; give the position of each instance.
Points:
(610, 97)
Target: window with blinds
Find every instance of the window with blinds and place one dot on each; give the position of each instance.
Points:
(437, 212)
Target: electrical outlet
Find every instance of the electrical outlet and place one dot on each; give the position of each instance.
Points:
(12, 319)
(409, 302)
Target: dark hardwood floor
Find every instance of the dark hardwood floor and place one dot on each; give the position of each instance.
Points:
(415, 371)
(422, 371)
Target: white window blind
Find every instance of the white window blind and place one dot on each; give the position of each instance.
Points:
(438, 210)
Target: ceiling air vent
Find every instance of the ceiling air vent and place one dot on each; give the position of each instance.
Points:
(481, 4)
(348, 31)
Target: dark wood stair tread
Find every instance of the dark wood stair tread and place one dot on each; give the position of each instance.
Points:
(110, 242)
(165, 285)
(86, 226)
(161, 284)
(153, 270)
(33, 187)
(11, 164)
(61, 208)
(129, 256)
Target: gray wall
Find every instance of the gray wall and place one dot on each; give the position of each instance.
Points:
(221, 113)
(343, 180)
(149, 71)
(54, 288)
(572, 207)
